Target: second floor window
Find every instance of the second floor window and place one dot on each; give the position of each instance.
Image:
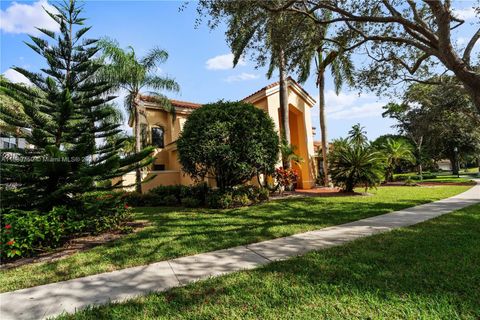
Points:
(158, 137)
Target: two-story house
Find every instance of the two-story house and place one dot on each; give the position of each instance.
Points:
(162, 131)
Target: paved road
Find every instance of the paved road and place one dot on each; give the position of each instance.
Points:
(67, 296)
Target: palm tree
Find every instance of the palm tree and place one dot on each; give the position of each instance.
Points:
(357, 135)
(288, 153)
(341, 68)
(133, 74)
(395, 150)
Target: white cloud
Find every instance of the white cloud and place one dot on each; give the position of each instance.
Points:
(223, 62)
(350, 106)
(465, 13)
(23, 18)
(242, 77)
(16, 77)
(365, 110)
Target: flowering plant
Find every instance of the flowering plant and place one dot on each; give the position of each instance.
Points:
(286, 177)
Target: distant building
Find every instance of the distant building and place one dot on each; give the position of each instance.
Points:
(15, 141)
(444, 165)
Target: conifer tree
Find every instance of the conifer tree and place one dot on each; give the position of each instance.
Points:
(68, 114)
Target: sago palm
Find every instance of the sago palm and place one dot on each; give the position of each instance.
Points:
(134, 74)
(395, 151)
(355, 165)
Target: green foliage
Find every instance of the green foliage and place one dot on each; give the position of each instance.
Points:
(229, 141)
(219, 199)
(133, 74)
(196, 196)
(100, 211)
(357, 135)
(410, 182)
(171, 200)
(176, 232)
(426, 271)
(354, 164)
(241, 200)
(416, 177)
(65, 112)
(190, 202)
(395, 151)
(25, 233)
(288, 152)
(438, 119)
(198, 191)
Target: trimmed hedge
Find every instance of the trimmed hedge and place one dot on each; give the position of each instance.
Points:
(405, 176)
(199, 195)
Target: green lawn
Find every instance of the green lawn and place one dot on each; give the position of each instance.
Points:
(178, 232)
(448, 178)
(445, 177)
(428, 271)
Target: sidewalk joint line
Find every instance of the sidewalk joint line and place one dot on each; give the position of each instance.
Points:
(258, 254)
(171, 268)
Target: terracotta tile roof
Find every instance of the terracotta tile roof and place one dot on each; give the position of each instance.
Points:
(175, 103)
(185, 104)
(276, 84)
(192, 105)
(263, 89)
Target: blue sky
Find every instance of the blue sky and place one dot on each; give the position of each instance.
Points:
(199, 57)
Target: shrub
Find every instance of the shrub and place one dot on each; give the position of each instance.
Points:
(410, 182)
(170, 200)
(178, 191)
(231, 141)
(263, 194)
(198, 191)
(241, 200)
(416, 177)
(355, 164)
(100, 211)
(24, 232)
(219, 199)
(285, 178)
(136, 199)
(190, 202)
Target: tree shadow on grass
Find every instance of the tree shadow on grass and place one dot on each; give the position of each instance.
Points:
(426, 271)
(178, 232)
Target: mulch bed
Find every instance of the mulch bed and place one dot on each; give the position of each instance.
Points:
(76, 245)
(316, 192)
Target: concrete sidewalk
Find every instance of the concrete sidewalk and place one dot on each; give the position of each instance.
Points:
(67, 296)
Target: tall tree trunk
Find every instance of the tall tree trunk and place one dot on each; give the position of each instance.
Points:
(284, 103)
(454, 163)
(323, 127)
(138, 147)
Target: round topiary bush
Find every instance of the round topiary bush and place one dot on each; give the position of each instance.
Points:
(228, 141)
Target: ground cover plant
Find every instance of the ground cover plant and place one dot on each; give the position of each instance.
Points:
(27, 233)
(177, 231)
(427, 271)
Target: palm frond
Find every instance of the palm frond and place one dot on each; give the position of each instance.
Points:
(153, 58)
(161, 83)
